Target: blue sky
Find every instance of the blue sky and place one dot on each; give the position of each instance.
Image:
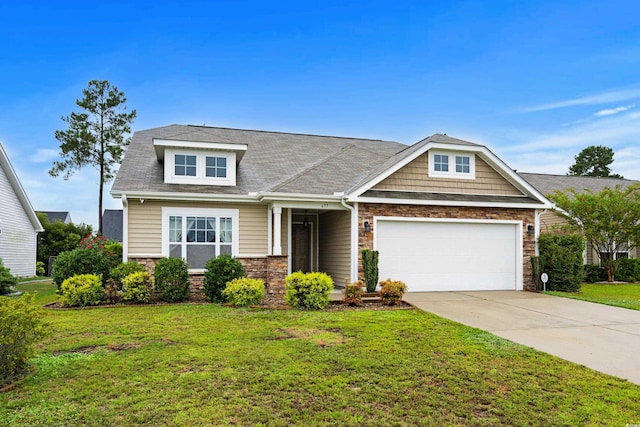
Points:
(534, 81)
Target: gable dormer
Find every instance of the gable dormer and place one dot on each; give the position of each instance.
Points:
(199, 163)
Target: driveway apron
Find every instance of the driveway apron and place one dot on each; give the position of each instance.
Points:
(598, 336)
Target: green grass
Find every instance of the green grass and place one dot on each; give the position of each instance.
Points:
(45, 290)
(625, 295)
(211, 365)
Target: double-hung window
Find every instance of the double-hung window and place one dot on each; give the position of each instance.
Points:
(198, 235)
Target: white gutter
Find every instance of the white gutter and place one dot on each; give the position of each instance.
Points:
(125, 228)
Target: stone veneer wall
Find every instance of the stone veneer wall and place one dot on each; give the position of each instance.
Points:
(366, 212)
(271, 269)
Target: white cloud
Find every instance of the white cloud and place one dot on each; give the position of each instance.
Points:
(612, 111)
(554, 151)
(602, 98)
(44, 155)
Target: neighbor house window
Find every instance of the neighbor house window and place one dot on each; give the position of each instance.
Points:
(185, 165)
(198, 235)
(451, 165)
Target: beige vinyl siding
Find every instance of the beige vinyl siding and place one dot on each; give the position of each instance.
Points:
(415, 177)
(335, 245)
(145, 225)
(549, 220)
(284, 231)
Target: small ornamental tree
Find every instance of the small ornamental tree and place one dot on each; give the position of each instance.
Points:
(609, 220)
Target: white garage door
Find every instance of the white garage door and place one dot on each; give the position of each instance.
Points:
(449, 256)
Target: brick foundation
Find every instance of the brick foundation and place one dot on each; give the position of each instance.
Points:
(366, 212)
(271, 269)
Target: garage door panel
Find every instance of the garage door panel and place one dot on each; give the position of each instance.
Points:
(440, 256)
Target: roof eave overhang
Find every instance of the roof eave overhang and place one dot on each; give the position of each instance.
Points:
(159, 146)
(475, 204)
(180, 196)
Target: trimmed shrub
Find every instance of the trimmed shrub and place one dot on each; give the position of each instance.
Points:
(352, 293)
(391, 291)
(219, 271)
(7, 280)
(370, 269)
(21, 326)
(137, 287)
(594, 273)
(82, 290)
(124, 269)
(172, 279)
(80, 261)
(308, 290)
(562, 256)
(629, 270)
(243, 292)
(40, 271)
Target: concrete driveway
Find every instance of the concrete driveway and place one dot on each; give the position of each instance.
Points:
(598, 336)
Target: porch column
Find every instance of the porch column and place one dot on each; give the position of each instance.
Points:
(277, 231)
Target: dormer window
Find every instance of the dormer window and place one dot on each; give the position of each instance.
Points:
(185, 165)
(216, 167)
(199, 163)
(452, 165)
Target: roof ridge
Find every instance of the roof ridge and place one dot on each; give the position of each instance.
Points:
(577, 176)
(289, 133)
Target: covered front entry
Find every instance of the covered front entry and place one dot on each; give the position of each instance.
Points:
(450, 255)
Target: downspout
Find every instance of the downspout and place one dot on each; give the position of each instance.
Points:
(125, 228)
(354, 239)
(537, 229)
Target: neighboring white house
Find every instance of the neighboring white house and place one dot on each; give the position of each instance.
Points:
(19, 225)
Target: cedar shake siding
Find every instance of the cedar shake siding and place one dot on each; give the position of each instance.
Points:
(415, 177)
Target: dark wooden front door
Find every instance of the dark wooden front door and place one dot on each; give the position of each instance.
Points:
(301, 248)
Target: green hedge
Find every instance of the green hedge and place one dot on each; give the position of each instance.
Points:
(21, 326)
(137, 287)
(219, 271)
(82, 290)
(629, 270)
(7, 280)
(563, 261)
(172, 279)
(308, 290)
(80, 261)
(243, 291)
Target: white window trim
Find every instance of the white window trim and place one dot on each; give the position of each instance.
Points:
(228, 213)
(201, 178)
(451, 173)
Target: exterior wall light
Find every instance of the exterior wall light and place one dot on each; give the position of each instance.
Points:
(367, 227)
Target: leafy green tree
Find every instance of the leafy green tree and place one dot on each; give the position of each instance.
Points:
(59, 237)
(594, 161)
(97, 136)
(609, 220)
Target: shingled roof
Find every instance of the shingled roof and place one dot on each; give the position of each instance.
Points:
(547, 183)
(274, 161)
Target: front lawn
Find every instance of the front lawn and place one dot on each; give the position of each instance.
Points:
(44, 289)
(625, 295)
(205, 364)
